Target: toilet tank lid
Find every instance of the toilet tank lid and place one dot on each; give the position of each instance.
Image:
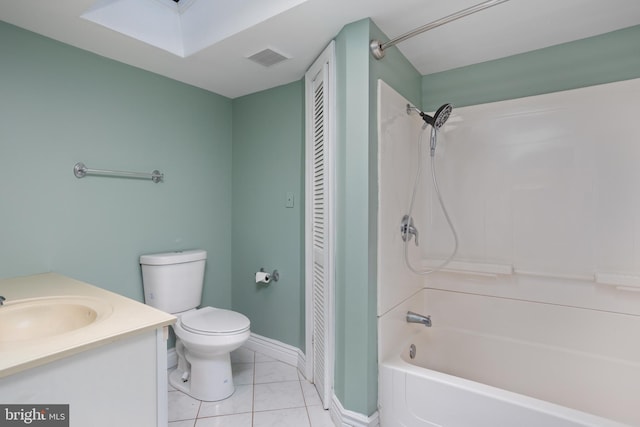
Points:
(176, 257)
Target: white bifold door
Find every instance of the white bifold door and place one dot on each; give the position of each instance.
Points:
(320, 111)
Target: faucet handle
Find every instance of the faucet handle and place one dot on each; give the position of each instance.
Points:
(407, 229)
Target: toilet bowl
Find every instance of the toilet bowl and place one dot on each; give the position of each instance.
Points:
(207, 336)
(204, 336)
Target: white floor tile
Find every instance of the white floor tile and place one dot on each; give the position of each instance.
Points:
(282, 395)
(182, 407)
(311, 397)
(239, 420)
(319, 417)
(169, 386)
(269, 393)
(267, 372)
(296, 417)
(239, 402)
(242, 373)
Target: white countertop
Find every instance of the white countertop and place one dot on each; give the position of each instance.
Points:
(126, 317)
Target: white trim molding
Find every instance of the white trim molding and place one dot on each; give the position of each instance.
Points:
(345, 418)
(278, 350)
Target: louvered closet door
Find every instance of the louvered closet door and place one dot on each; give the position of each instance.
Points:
(320, 237)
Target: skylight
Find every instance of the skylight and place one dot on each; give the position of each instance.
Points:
(184, 27)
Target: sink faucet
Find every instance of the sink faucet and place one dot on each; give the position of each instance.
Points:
(2, 299)
(418, 318)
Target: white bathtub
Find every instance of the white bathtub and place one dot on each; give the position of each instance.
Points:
(497, 362)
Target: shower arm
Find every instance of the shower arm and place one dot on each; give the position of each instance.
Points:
(378, 48)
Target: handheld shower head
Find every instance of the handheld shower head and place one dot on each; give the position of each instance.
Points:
(436, 122)
(439, 118)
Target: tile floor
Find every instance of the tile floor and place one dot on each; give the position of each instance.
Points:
(268, 393)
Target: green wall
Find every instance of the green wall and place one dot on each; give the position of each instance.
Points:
(356, 370)
(60, 105)
(595, 60)
(353, 329)
(268, 162)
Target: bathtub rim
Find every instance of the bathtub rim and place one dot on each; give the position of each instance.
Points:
(397, 363)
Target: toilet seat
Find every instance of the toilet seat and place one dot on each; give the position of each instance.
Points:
(214, 321)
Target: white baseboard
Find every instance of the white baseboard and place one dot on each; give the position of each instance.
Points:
(278, 350)
(346, 418)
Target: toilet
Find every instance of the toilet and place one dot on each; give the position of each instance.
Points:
(205, 336)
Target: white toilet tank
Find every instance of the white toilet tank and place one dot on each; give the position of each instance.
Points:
(173, 281)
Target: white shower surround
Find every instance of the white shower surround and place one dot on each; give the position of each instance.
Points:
(544, 188)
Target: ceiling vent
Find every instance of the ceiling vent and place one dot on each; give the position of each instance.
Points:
(267, 57)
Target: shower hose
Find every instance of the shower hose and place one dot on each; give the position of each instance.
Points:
(434, 179)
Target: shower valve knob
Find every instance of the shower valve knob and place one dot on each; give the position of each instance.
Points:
(407, 229)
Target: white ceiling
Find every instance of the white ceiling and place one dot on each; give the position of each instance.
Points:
(302, 33)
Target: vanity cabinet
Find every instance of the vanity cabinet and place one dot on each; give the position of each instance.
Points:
(118, 383)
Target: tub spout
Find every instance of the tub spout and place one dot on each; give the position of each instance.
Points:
(418, 318)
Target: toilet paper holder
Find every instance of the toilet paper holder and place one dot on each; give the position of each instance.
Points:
(275, 276)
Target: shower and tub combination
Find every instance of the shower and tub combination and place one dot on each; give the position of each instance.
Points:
(489, 313)
(509, 282)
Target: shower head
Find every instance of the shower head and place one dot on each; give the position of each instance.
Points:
(439, 118)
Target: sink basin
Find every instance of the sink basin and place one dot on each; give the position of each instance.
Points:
(40, 318)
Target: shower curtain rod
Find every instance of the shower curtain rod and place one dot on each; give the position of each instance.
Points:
(378, 48)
